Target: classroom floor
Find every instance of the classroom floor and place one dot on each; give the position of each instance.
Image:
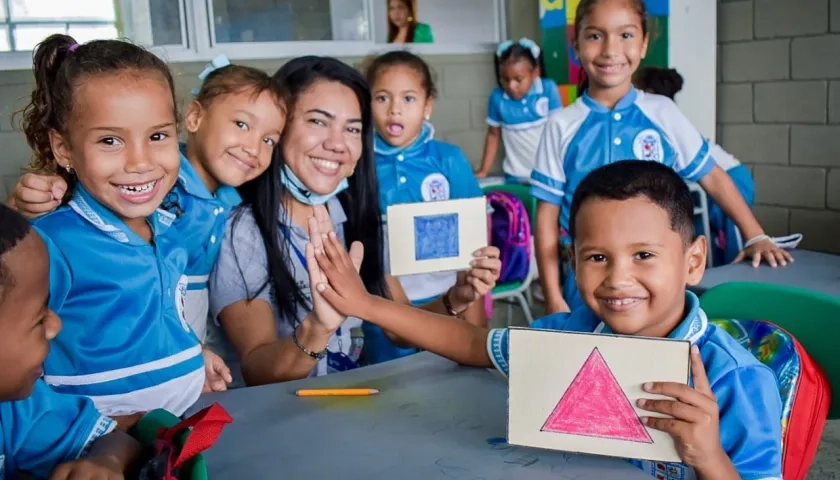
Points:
(825, 467)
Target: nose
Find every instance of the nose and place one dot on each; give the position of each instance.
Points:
(335, 140)
(394, 108)
(52, 325)
(611, 45)
(251, 146)
(619, 275)
(138, 160)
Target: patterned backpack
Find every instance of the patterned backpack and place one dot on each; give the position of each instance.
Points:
(510, 232)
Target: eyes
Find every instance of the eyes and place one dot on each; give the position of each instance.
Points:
(112, 141)
(598, 36)
(351, 129)
(384, 98)
(244, 127)
(600, 258)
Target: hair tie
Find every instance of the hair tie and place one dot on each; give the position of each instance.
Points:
(73, 47)
(531, 46)
(503, 47)
(220, 61)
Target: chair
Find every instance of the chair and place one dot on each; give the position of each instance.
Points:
(701, 208)
(812, 318)
(518, 291)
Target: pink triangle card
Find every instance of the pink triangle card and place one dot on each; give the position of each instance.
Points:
(577, 392)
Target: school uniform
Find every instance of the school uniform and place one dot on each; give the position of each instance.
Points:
(201, 217)
(241, 273)
(126, 342)
(522, 122)
(587, 135)
(46, 429)
(728, 242)
(427, 170)
(746, 390)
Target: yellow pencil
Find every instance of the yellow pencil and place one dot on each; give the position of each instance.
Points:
(339, 392)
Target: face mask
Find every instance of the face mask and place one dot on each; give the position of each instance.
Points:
(294, 186)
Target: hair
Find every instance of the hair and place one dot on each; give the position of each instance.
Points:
(264, 195)
(233, 79)
(15, 229)
(402, 58)
(661, 81)
(517, 52)
(585, 7)
(59, 65)
(628, 179)
(393, 30)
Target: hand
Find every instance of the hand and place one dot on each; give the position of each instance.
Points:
(766, 250)
(479, 280)
(695, 413)
(481, 173)
(217, 373)
(36, 195)
(90, 468)
(341, 284)
(321, 232)
(556, 306)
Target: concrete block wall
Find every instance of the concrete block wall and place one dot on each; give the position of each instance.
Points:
(778, 110)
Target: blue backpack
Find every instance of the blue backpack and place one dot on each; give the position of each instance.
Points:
(510, 232)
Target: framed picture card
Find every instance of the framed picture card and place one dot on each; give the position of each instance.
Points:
(577, 392)
(439, 236)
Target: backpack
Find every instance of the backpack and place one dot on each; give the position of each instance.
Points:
(804, 388)
(510, 232)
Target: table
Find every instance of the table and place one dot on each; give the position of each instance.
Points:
(432, 420)
(815, 271)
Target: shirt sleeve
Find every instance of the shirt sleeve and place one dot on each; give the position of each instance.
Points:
(693, 153)
(548, 178)
(494, 117)
(61, 277)
(750, 421)
(241, 271)
(48, 428)
(554, 101)
(462, 181)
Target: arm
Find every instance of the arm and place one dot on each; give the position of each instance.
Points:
(723, 191)
(491, 149)
(547, 245)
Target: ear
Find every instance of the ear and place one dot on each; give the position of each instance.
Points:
(695, 260)
(537, 72)
(430, 105)
(60, 147)
(645, 43)
(194, 117)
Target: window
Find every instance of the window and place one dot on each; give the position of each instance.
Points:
(198, 30)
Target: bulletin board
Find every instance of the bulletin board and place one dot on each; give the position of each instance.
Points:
(683, 35)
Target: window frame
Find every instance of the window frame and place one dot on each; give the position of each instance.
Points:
(196, 30)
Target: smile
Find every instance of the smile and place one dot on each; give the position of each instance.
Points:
(137, 189)
(611, 68)
(621, 304)
(325, 165)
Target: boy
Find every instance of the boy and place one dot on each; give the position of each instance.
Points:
(40, 429)
(634, 253)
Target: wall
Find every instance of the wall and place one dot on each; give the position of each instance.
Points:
(778, 110)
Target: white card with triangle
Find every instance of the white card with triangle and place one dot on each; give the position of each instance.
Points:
(577, 392)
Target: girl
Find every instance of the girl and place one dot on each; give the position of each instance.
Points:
(413, 167)
(612, 121)
(518, 109)
(104, 114)
(274, 325)
(729, 242)
(232, 126)
(403, 26)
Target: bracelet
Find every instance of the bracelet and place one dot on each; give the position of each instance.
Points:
(447, 304)
(315, 355)
(756, 239)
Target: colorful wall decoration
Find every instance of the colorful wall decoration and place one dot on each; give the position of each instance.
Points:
(557, 24)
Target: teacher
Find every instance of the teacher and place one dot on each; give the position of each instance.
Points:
(274, 326)
(403, 26)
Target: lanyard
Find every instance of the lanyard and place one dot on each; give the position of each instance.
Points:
(302, 258)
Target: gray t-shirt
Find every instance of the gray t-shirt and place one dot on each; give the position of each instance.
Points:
(242, 268)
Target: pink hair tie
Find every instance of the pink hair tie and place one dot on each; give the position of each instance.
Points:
(73, 47)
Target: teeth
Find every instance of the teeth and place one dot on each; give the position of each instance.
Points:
(138, 189)
(329, 165)
(620, 301)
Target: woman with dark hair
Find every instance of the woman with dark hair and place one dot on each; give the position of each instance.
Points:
(274, 327)
(403, 26)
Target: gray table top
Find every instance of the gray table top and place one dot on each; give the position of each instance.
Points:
(810, 270)
(432, 420)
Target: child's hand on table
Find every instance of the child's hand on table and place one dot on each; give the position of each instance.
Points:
(764, 248)
(695, 424)
(217, 373)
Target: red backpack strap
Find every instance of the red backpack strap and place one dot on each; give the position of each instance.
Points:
(207, 425)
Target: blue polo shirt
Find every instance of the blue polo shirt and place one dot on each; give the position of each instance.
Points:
(746, 390)
(201, 217)
(126, 342)
(46, 429)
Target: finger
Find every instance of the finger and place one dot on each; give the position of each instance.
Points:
(756, 259)
(223, 371)
(313, 265)
(331, 296)
(679, 391)
(315, 233)
(678, 410)
(335, 252)
(323, 216)
(487, 252)
(338, 244)
(788, 255)
(485, 276)
(357, 255)
(740, 258)
(479, 288)
(698, 373)
(668, 425)
(492, 265)
(32, 196)
(781, 256)
(770, 258)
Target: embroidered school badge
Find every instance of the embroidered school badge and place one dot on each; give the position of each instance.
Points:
(542, 106)
(181, 301)
(648, 145)
(435, 187)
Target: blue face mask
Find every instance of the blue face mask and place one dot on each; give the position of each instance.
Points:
(298, 190)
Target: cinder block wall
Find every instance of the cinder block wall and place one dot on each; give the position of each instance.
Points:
(778, 110)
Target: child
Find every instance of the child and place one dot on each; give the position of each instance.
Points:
(41, 429)
(635, 251)
(412, 166)
(612, 121)
(518, 109)
(232, 126)
(668, 82)
(104, 112)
